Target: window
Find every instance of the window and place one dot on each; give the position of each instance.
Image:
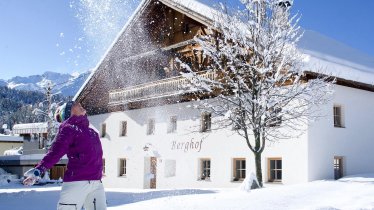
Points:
(338, 167)
(275, 169)
(123, 131)
(172, 126)
(103, 130)
(151, 126)
(206, 121)
(170, 168)
(41, 143)
(338, 117)
(103, 166)
(205, 169)
(186, 28)
(42, 140)
(239, 169)
(122, 167)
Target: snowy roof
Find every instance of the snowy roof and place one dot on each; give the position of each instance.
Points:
(29, 157)
(30, 128)
(194, 9)
(337, 59)
(8, 138)
(334, 57)
(324, 64)
(37, 157)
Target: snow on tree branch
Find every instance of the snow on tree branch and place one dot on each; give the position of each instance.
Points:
(260, 85)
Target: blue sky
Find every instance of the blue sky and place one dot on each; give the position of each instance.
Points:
(70, 36)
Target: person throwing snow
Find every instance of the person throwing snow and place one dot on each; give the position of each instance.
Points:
(82, 186)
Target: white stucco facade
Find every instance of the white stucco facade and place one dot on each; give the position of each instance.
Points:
(306, 158)
(175, 159)
(354, 142)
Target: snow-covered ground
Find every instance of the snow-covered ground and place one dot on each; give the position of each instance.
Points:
(355, 192)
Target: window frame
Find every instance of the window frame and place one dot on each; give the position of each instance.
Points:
(242, 172)
(42, 140)
(151, 126)
(202, 169)
(172, 125)
(103, 130)
(122, 172)
(123, 130)
(205, 122)
(338, 116)
(340, 167)
(276, 169)
(170, 168)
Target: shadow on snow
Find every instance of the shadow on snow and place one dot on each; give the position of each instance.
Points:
(121, 198)
(46, 200)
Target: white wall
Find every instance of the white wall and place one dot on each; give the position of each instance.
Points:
(354, 142)
(220, 146)
(116, 147)
(294, 159)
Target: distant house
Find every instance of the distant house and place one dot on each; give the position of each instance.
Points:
(34, 148)
(8, 142)
(134, 100)
(35, 137)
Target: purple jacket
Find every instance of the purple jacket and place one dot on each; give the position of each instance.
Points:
(82, 146)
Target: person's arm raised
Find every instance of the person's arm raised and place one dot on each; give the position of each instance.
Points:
(59, 148)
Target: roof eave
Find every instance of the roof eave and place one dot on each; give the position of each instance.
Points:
(133, 17)
(170, 3)
(187, 11)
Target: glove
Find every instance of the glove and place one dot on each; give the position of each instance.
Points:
(32, 176)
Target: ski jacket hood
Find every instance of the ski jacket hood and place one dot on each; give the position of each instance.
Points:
(83, 148)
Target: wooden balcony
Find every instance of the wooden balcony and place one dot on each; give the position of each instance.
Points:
(158, 89)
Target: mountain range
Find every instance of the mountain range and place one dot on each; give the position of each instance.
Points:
(66, 84)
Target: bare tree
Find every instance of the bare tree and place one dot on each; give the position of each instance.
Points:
(260, 86)
(46, 109)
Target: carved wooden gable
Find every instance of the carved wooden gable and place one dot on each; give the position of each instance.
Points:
(145, 52)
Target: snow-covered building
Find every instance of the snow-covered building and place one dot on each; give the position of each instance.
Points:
(8, 142)
(153, 139)
(33, 138)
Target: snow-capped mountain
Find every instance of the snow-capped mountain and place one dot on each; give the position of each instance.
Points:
(66, 84)
(3, 83)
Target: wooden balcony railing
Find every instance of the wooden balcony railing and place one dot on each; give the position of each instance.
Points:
(157, 89)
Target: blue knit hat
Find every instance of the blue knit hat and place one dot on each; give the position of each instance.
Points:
(64, 111)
